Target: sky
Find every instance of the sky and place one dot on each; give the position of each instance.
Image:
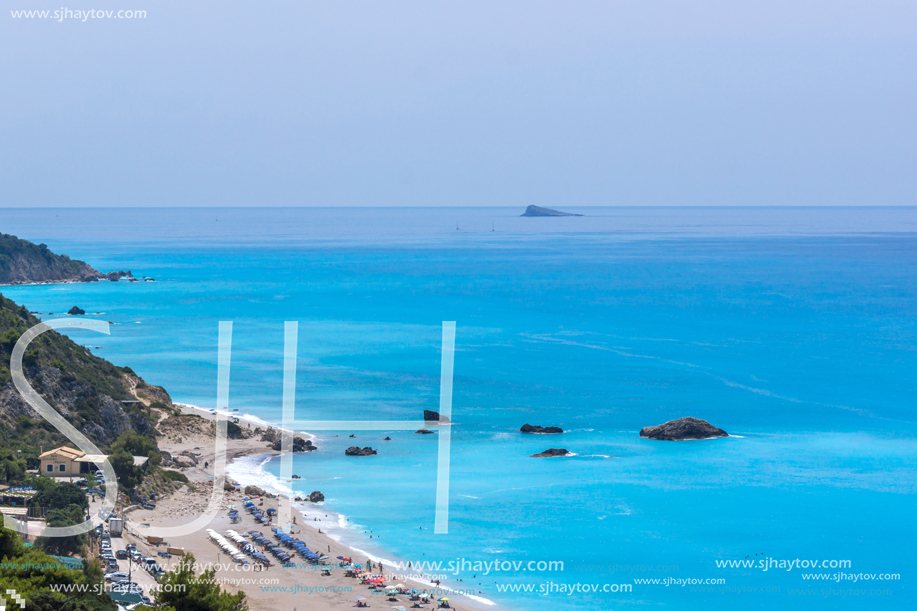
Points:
(445, 103)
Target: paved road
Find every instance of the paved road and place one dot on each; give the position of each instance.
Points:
(138, 575)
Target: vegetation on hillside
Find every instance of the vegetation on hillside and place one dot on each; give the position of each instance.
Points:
(31, 573)
(86, 389)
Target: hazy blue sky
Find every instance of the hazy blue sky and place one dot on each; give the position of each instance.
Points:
(224, 102)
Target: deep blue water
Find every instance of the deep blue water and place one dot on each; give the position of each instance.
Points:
(793, 329)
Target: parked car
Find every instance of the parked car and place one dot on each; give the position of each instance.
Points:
(121, 554)
(115, 576)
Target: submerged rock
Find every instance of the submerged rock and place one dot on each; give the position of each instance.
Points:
(543, 430)
(551, 452)
(683, 428)
(424, 432)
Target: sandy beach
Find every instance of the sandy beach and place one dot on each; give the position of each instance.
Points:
(301, 586)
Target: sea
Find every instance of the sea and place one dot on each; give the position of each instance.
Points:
(793, 329)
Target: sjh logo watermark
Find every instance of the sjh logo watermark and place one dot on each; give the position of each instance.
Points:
(224, 353)
(14, 598)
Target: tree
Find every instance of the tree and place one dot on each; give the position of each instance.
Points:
(129, 475)
(64, 546)
(183, 590)
(134, 443)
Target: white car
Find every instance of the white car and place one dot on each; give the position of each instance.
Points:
(116, 576)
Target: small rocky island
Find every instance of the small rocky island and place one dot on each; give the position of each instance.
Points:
(424, 432)
(357, 451)
(551, 453)
(683, 428)
(541, 430)
(539, 211)
(76, 311)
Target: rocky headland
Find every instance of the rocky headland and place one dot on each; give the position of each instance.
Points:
(22, 262)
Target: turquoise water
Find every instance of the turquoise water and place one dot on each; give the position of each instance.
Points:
(794, 330)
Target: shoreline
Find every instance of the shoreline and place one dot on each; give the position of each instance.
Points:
(245, 466)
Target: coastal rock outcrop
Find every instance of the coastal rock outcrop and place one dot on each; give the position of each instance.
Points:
(424, 432)
(316, 497)
(551, 452)
(683, 428)
(76, 311)
(542, 430)
(253, 491)
(539, 211)
(357, 451)
(299, 444)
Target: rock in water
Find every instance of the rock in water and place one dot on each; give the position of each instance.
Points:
(316, 497)
(543, 430)
(357, 451)
(551, 452)
(539, 211)
(75, 311)
(430, 416)
(424, 432)
(683, 428)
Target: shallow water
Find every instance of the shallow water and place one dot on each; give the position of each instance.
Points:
(794, 330)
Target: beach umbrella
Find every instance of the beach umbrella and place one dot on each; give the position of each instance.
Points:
(442, 599)
(360, 598)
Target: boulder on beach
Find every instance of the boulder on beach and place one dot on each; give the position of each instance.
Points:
(541, 430)
(75, 311)
(316, 497)
(424, 432)
(184, 461)
(357, 451)
(551, 452)
(253, 491)
(683, 428)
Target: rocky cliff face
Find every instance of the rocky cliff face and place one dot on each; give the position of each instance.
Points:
(22, 262)
(87, 390)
